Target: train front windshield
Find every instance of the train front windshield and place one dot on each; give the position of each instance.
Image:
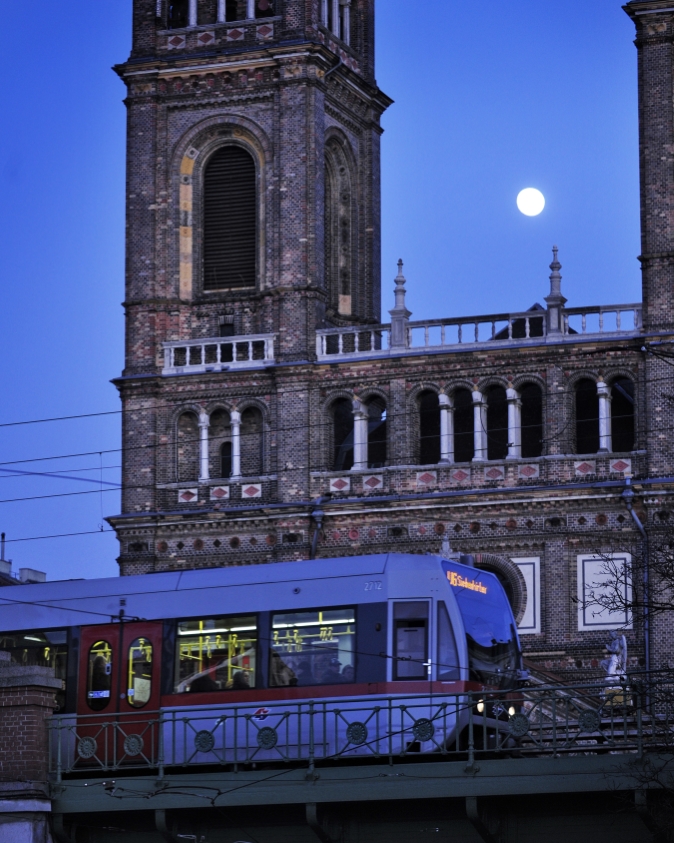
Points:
(493, 646)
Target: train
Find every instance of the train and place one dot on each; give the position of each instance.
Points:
(261, 662)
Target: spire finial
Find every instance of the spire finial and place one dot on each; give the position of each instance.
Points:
(400, 315)
(555, 300)
(555, 278)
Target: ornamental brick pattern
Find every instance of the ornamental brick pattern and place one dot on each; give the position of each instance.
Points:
(288, 91)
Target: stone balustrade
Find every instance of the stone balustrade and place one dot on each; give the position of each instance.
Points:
(456, 334)
(217, 354)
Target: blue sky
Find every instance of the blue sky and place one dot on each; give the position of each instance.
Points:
(488, 100)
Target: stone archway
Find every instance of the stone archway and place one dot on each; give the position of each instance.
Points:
(510, 577)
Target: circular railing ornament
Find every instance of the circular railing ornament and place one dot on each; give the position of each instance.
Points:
(87, 748)
(423, 730)
(589, 721)
(356, 733)
(204, 741)
(519, 725)
(133, 745)
(267, 738)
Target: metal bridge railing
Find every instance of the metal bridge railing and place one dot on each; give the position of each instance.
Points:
(591, 719)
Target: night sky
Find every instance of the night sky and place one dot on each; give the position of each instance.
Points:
(489, 99)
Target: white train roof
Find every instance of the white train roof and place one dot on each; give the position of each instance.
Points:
(213, 590)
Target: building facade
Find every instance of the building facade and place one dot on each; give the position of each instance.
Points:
(268, 412)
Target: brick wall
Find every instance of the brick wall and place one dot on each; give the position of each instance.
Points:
(27, 699)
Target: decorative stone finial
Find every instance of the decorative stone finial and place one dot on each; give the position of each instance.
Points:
(400, 315)
(555, 300)
(555, 278)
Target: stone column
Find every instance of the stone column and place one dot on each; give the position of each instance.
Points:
(204, 424)
(222, 15)
(361, 419)
(479, 426)
(193, 12)
(446, 429)
(604, 393)
(514, 424)
(324, 12)
(235, 419)
(250, 10)
(335, 18)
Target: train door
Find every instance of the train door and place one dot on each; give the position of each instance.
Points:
(411, 630)
(118, 693)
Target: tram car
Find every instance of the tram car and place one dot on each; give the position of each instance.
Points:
(328, 658)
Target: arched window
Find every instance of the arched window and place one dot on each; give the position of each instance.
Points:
(429, 427)
(338, 235)
(622, 414)
(226, 459)
(188, 447)
(230, 220)
(99, 676)
(220, 443)
(377, 433)
(178, 14)
(532, 421)
(587, 417)
(139, 680)
(233, 10)
(464, 439)
(264, 8)
(342, 434)
(252, 442)
(497, 423)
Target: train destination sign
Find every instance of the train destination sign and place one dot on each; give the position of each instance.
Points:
(458, 581)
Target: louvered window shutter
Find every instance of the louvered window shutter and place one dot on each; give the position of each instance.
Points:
(230, 220)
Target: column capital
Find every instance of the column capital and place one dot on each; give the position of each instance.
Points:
(445, 401)
(603, 389)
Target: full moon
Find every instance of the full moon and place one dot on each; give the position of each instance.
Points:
(530, 201)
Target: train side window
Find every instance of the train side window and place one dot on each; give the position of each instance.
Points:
(448, 655)
(40, 648)
(216, 654)
(410, 646)
(313, 648)
(99, 676)
(139, 686)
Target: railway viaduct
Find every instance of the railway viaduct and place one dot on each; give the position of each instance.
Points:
(575, 764)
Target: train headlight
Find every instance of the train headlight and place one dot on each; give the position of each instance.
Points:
(511, 711)
(480, 706)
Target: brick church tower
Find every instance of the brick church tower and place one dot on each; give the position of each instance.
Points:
(253, 213)
(268, 413)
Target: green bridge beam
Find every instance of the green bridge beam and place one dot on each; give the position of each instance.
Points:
(421, 780)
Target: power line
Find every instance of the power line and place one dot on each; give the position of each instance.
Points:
(60, 418)
(58, 476)
(59, 536)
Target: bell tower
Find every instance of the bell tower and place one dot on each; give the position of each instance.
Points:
(253, 213)
(253, 171)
